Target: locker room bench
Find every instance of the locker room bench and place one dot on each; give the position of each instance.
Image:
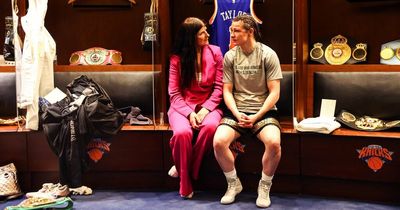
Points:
(136, 150)
(338, 164)
(139, 154)
(248, 165)
(311, 163)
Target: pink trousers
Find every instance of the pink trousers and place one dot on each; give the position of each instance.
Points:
(187, 152)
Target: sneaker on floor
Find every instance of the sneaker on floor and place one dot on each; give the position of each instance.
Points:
(173, 172)
(263, 200)
(50, 190)
(234, 188)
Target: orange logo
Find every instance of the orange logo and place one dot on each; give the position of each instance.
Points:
(375, 156)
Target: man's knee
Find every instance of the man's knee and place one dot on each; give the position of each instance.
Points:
(273, 144)
(221, 138)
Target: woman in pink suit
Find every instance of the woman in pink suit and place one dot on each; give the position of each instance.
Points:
(195, 90)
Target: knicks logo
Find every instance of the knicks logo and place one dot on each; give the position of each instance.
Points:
(375, 156)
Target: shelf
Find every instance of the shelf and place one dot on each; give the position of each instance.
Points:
(140, 67)
(377, 134)
(354, 68)
(60, 68)
(287, 67)
(7, 68)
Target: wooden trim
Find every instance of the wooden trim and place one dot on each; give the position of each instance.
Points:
(127, 127)
(7, 68)
(287, 67)
(379, 134)
(145, 127)
(166, 40)
(12, 128)
(144, 67)
(301, 40)
(354, 68)
(101, 3)
(61, 68)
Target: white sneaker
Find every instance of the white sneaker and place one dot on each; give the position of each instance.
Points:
(234, 188)
(50, 190)
(263, 200)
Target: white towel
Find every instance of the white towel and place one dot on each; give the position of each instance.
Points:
(318, 124)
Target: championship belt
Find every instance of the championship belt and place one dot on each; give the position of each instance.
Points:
(387, 53)
(338, 52)
(390, 53)
(360, 53)
(365, 123)
(317, 52)
(96, 56)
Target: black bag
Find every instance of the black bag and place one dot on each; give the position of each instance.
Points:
(97, 116)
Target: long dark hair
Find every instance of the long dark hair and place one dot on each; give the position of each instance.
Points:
(185, 48)
(248, 23)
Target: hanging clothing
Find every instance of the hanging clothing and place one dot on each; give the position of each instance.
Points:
(220, 21)
(34, 64)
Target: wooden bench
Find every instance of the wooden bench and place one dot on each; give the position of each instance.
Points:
(330, 164)
(248, 165)
(137, 151)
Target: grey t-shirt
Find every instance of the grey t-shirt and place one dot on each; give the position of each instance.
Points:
(249, 75)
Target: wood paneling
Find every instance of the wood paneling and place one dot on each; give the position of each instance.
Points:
(337, 157)
(133, 151)
(373, 23)
(13, 150)
(76, 29)
(276, 29)
(40, 156)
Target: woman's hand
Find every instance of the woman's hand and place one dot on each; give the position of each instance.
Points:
(202, 114)
(193, 119)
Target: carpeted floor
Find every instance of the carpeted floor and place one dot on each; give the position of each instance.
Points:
(102, 200)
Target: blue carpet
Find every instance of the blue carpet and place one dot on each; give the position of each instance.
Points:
(105, 200)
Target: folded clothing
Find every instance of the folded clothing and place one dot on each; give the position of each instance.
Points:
(318, 124)
(135, 118)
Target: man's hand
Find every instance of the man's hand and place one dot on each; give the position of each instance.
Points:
(247, 121)
(243, 120)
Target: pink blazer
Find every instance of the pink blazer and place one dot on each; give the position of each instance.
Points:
(207, 94)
